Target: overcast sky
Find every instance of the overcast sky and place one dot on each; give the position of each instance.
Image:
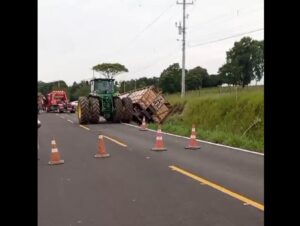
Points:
(75, 35)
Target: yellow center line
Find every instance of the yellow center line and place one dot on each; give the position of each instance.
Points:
(70, 121)
(220, 188)
(84, 127)
(117, 142)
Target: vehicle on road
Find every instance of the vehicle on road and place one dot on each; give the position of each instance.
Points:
(148, 102)
(57, 101)
(39, 124)
(103, 101)
(74, 103)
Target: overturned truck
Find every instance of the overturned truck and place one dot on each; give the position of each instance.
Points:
(148, 102)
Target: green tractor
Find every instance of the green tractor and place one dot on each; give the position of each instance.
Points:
(103, 101)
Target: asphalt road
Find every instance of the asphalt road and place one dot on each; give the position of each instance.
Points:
(135, 186)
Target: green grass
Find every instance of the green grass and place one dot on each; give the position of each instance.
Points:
(220, 116)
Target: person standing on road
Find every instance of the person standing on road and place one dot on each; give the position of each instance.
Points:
(39, 125)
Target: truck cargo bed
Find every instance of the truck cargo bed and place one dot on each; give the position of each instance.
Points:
(149, 103)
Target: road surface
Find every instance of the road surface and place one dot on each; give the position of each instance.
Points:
(212, 186)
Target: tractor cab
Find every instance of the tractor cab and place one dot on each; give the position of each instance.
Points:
(102, 86)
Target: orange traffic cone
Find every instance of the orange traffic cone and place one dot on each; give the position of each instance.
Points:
(55, 157)
(101, 149)
(143, 126)
(192, 143)
(159, 144)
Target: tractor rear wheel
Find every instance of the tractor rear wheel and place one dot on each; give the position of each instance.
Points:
(118, 110)
(94, 110)
(128, 110)
(83, 110)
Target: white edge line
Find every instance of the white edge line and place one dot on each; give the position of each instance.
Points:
(203, 141)
(70, 121)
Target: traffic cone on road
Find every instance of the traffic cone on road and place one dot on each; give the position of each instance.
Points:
(192, 143)
(159, 144)
(55, 156)
(101, 149)
(143, 126)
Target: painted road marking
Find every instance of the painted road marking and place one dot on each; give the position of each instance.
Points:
(203, 141)
(62, 117)
(70, 121)
(219, 188)
(84, 127)
(113, 140)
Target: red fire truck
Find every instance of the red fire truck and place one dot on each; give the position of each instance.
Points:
(57, 101)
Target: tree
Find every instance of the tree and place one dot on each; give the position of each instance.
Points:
(244, 62)
(258, 60)
(170, 79)
(78, 89)
(82, 89)
(212, 81)
(227, 74)
(154, 81)
(195, 77)
(134, 84)
(46, 88)
(72, 91)
(59, 85)
(110, 70)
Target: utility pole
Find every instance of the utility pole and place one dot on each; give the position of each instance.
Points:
(182, 30)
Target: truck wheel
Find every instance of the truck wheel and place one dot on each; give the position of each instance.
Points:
(118, 110)
(94, 110)
(127, 110)
(83, 110)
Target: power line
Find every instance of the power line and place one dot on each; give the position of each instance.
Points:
(146, 28)
(233, 36)
(156, 19)
(171, 54)
(225, 17)
(220, 33)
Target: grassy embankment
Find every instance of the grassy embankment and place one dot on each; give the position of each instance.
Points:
(220, 116)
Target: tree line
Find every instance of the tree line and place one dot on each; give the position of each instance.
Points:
(244, 63)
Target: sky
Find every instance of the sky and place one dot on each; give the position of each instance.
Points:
(75, 35)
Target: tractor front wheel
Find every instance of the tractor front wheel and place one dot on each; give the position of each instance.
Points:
(94, 110)
(128, 110)
(83, 110)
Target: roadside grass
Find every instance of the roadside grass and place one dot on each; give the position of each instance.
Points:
(220, 116)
